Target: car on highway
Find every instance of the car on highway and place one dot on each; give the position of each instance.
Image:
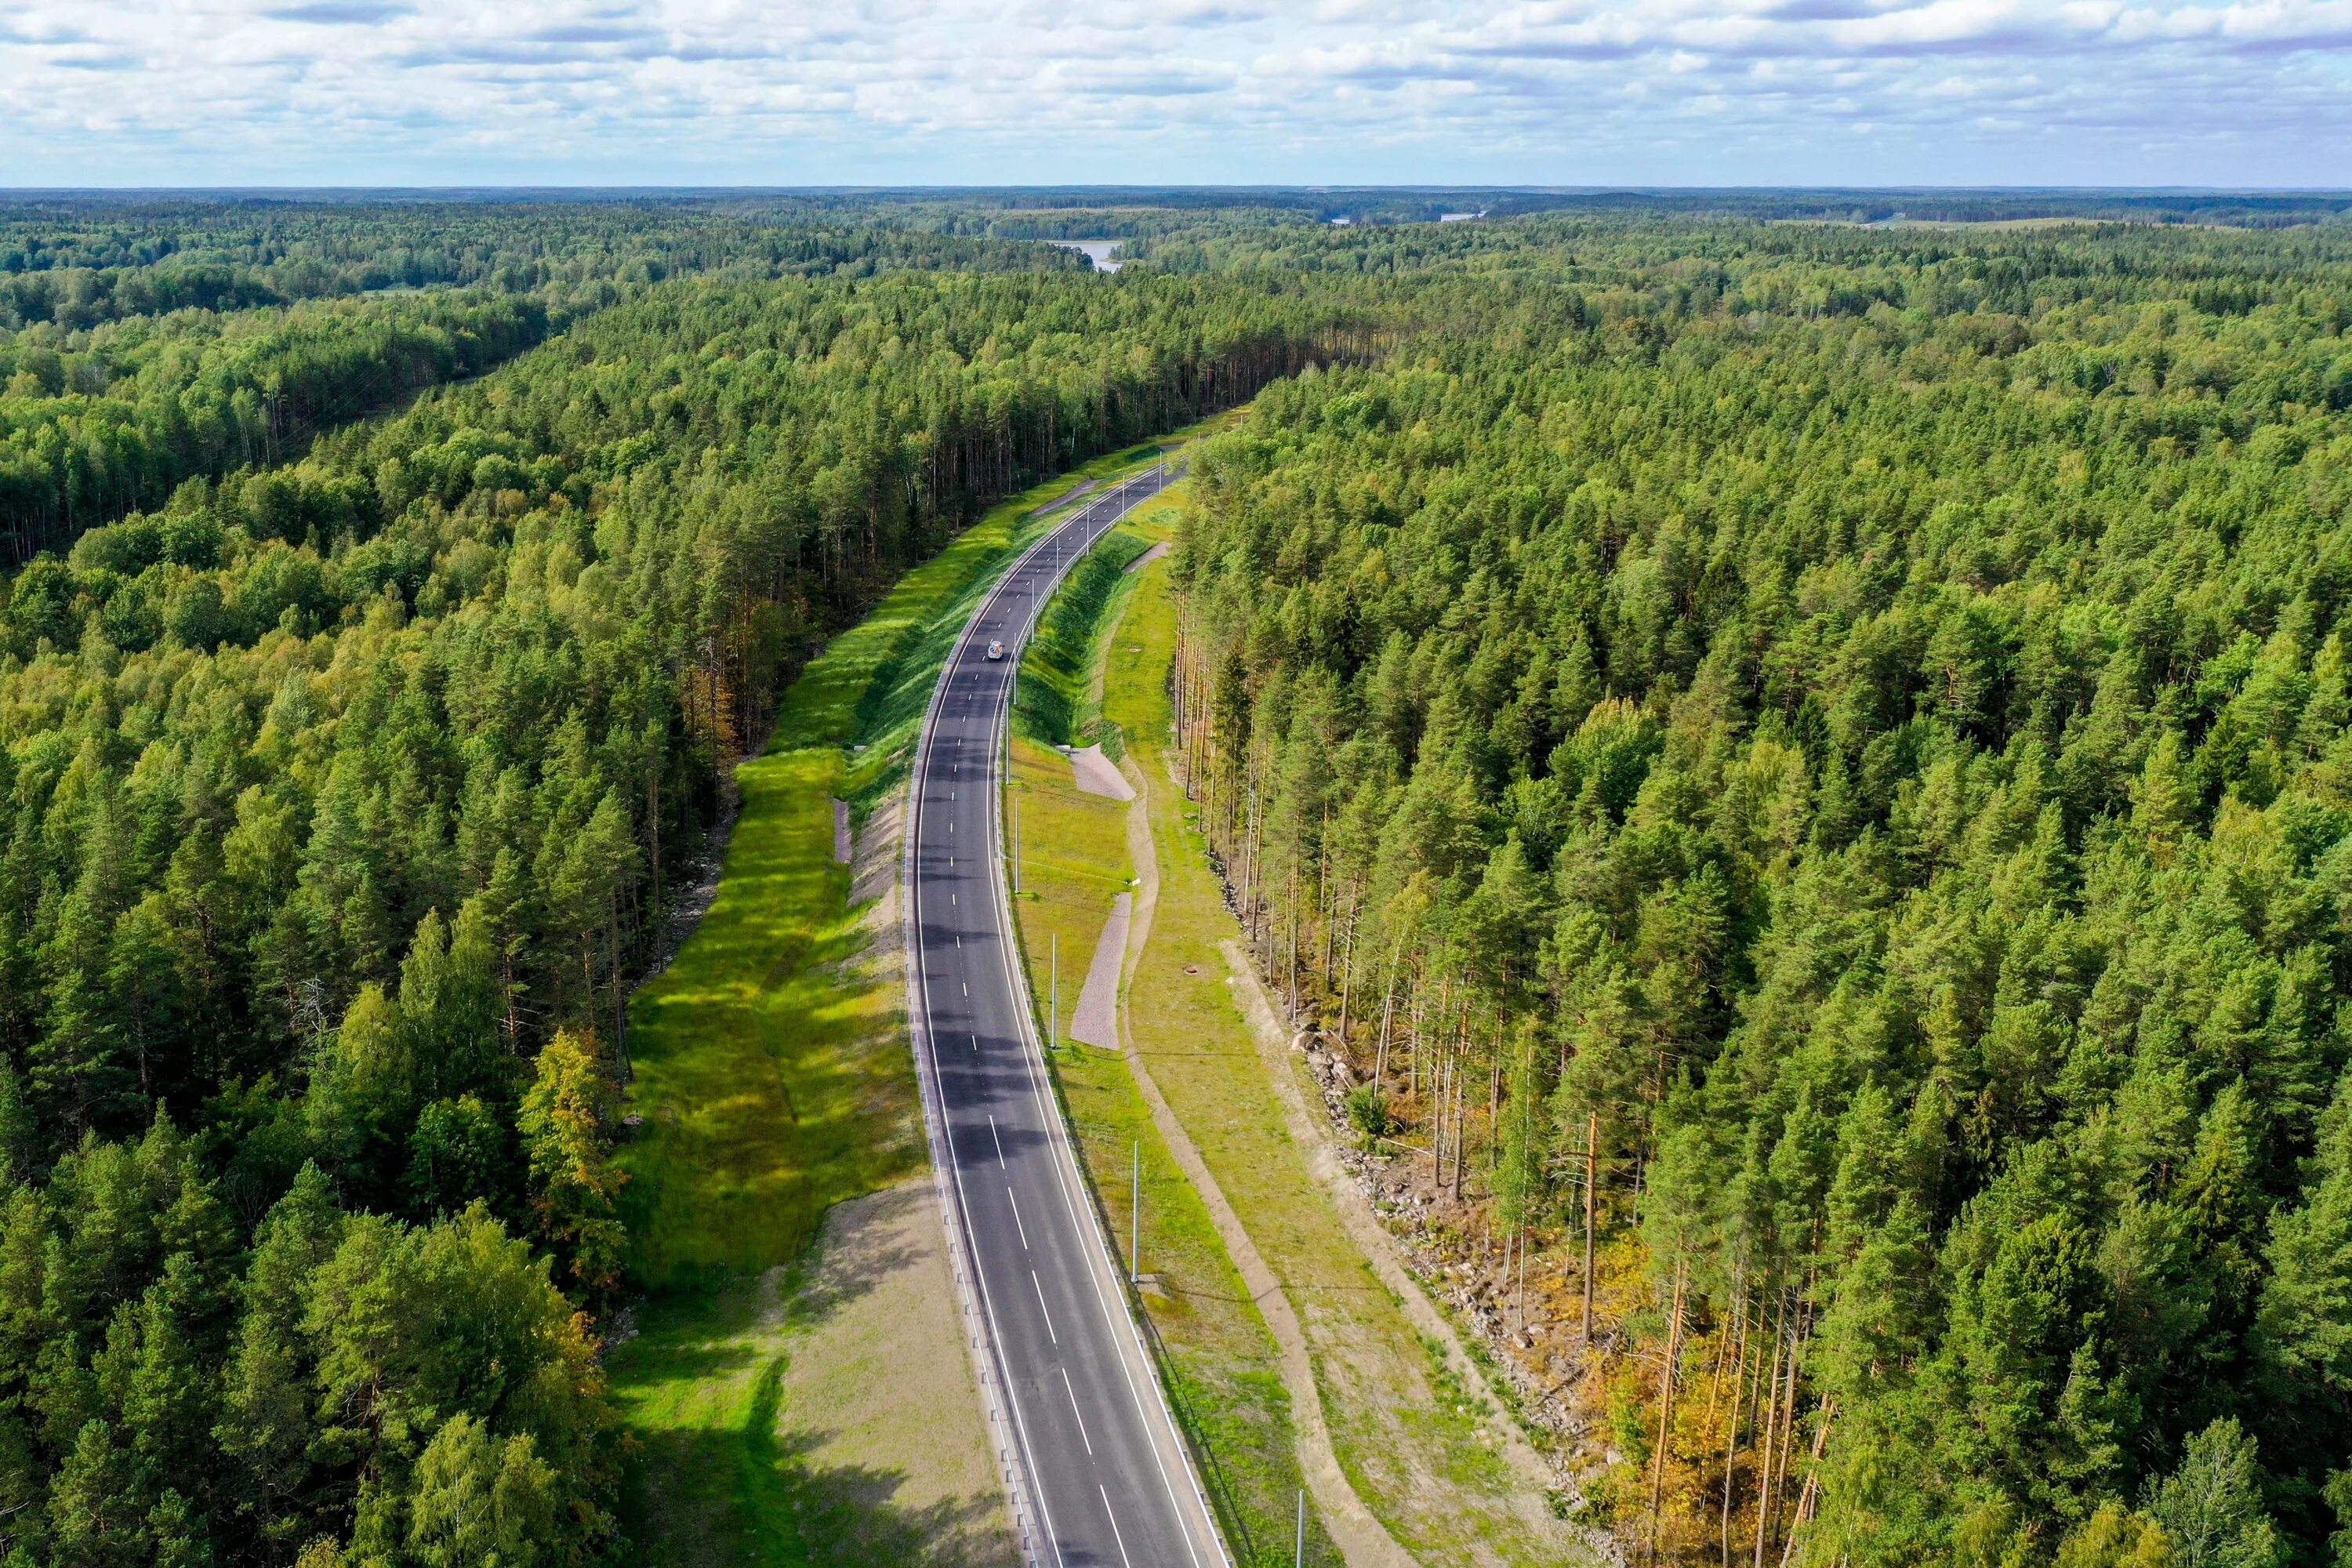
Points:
(995, 648)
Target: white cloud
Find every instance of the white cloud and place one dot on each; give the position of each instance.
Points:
(1553, 91)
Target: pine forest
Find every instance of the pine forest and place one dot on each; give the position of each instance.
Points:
(1802, 767)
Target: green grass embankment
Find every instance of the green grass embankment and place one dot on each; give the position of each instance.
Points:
(770, 1070)
(1055, 702)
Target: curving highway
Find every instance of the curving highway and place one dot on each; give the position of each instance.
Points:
(1099, 1472)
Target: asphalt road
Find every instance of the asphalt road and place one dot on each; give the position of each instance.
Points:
(1106, 1470)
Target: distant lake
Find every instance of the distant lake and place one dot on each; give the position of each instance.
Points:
(1097, 251)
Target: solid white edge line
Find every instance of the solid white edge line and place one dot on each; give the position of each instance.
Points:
(1022, 1494)
(1050, 1113)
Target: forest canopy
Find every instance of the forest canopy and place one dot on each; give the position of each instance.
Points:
(346, 794)
(1832, 749)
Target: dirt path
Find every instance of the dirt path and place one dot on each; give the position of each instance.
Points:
(1096, 1022)
(1073, 493)
(1361, 1538)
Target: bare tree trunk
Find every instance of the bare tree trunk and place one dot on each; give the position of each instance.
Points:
(1592, 1206)
(1722, 1362)
(1461, 1119)
(1764, 1447)
(1788, 1415)
(1388, 1011)
(1812, 1478)
(1439, 1093)
(1523, 1276)
(1462, 1096)
(652, 826)
(1292, 1020)
(1347, 970)
(1731, 1434)
(1666, 1410)
(1493, 1113)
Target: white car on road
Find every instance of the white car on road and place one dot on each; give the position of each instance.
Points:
(995, 648)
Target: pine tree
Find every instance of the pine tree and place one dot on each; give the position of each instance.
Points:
(96, 1519)
(2211, 1507)
(567, 1123)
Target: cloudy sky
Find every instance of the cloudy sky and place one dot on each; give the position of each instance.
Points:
(959, 91)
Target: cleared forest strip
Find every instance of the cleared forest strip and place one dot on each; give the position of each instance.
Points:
(1426, 1451)
(774, 1083)
(1362, 1540)
(1223, 1367)
(771, 1072)
(1221, 1364)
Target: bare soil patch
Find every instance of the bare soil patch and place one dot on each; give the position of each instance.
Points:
(874, 1363)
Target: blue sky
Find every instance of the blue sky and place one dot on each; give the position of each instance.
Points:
(881, 91)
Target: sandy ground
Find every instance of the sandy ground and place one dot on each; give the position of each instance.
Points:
(878, 1385)
(874, 859)
(1073, 493)
(877, 1393)
(1149, 556)
(1098, 774)
(842, 849)
(1095, 1023)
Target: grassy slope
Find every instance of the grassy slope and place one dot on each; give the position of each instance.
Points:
(774, 1081)
(1055, 702)
(1409, 1440)
(1226, 1376)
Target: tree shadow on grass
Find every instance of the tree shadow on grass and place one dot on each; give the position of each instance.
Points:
(808, 1513)
(738, 1480)
(851, 1266)
(755, 1495)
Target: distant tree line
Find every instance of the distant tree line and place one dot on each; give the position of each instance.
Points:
(97, 423)
(79, 262)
